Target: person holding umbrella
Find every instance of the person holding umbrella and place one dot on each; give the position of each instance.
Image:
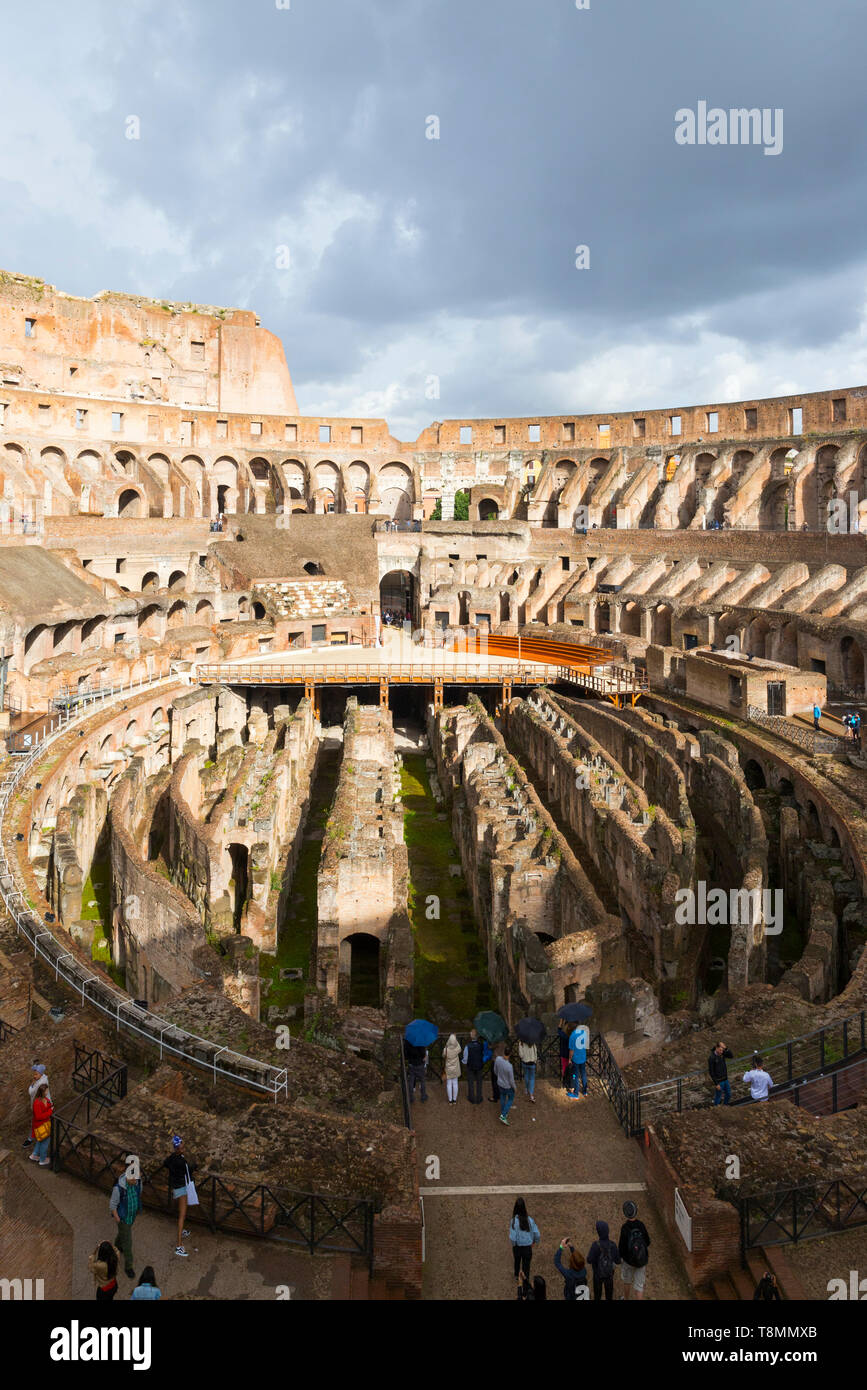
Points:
(417, 1037)
(579, 1040)
(492, 1028)
(530, 1032)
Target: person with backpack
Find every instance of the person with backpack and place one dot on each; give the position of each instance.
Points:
(767, 1289)
(719, 1073)
(474, 1061)
(633, 1245)
(524, 1234)
(124, 1205)
(602, 1256)
(569, 1262)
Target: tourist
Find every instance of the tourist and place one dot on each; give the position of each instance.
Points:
(179, 1178)
(529, 1055)
(531, 1293)
(634, 1244)
(495, 1089)
(524, 1234)
(719, 1073)
(452, 1068)
(416, 1062)
(124, 1205)
(817, 715)
(758, 1080)
(146, 1289)
(505, 1077)
(40, 1130)
(474, 1061)
(39, 1077)
(578, 1055)
(855, 728)
(563, 1038)
(569, 1262)
(767, 1289)
(602, 1256)
(103, 1266)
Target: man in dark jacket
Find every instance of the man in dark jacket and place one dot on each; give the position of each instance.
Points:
(719, 1073)
(416, 1065)
(602, 1256)
(474, 1060)
(634, 1244)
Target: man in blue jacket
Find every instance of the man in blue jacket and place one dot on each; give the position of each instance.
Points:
(578, 1053)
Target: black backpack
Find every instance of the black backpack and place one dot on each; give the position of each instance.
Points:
(636, 1247)
(604, 1261)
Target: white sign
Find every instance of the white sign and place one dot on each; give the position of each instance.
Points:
(683, 1219)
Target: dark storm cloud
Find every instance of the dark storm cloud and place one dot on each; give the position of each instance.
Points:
(712, 269)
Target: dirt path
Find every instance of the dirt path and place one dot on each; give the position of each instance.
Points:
(555, 1142)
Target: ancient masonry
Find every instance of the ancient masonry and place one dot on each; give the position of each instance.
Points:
(203, 847)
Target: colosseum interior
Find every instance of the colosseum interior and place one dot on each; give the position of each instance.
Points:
(294, 755)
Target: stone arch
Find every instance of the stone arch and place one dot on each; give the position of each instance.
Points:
(258, 610)
(397, 594)
(205, 610)
(754, 775)
(177, 579)
(149, 620)
(488, 509)
(224, 486)
(852, 663)
(364, 984)
(396, 491)
(757, 636)
(630, 620)
(131, 503)
(177, 615)
(150, 582)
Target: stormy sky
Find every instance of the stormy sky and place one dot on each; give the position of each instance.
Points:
(270, 134)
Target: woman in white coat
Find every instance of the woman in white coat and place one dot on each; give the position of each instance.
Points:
(452, 1068)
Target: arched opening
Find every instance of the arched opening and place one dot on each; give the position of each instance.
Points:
(223, 491)
(785, 787)
(238, 854)
(396, 491)
(364, 990)
(397, 596)
(177, 615)
(754, 776)
(630, 620)
(488, 510)
(205, 611)
(312, 567)
(149, 621)
(851, 664)
(150, 582)
(130, 504)
(258, 610)
(177, 579)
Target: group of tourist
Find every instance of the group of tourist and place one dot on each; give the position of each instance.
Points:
(217, 524)
(475, 1056)
(853, 724)
(756, 1077)
(393, 617)
(630, 1252)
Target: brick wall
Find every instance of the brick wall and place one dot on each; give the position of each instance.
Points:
(36, 1242)
(715, 1224)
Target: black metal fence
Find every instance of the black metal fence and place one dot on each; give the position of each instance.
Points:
(806, 1212)
(7, 1031)
(314, 1220)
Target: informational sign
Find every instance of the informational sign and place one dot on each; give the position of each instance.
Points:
(683, 1219)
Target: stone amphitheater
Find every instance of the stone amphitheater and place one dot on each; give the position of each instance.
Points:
(292, 757)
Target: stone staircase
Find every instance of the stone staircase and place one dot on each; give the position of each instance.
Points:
(740, 1284)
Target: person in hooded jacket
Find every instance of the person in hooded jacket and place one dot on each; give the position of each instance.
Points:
(602, 1256)
(452, 1068)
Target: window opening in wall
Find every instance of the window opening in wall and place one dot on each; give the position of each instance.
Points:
(751, 418)
(735, 683)
(674, 424)
(639, 427)
(324, 434)
(796, 420)
(256, 427)
(153, 426)
(690, 640)
(603, 433)
(816, 664)
(568, 431)
(776, 697)
(712, 421)
(534, 433)
(29, 327)
(565, 562)
(317, 632)
(838, 410)
(80, 419)
(290, 433)
(117, 421)
(499, 434)
(44, 414)
(466, 434)
(198, 351)
(441, 619)
(222, 429)
(356, 434)
(73, 371)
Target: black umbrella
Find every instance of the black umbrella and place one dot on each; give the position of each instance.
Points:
(491, 1027)
(575, 1013)
(530, 1030)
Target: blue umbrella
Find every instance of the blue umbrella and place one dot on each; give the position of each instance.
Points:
(575, 1013)
(421, 1033)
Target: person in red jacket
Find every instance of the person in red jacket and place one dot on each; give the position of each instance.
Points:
(41, 1128)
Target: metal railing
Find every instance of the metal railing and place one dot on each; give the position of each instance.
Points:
(93, 987)
(811, 740)
(316, 1220)
(796, 1059)
(808, 1211)
(371, 673)
(7, 1031)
